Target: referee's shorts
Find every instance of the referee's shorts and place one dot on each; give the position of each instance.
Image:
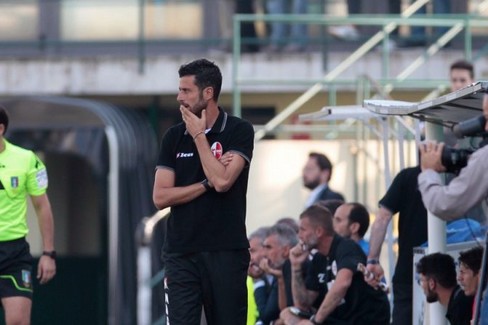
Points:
(15, 269)
(214, 280)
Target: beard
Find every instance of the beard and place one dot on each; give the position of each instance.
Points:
(311, 243)
(431, 296)
(199, 106)
(311, 184)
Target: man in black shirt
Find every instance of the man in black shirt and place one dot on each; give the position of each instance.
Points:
(280, 239)
(348, 299)
(402, 197)
(437, 277)
(206, 248)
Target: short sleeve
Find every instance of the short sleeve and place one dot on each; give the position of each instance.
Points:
(37, 179)
(242, 141)
(348, 255)
(167, 152)
(392, 198)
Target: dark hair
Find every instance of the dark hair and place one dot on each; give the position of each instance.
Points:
(206, 73)
(439, 267)
(331, 204)
(359, 214)
(472, 258)
(319, 217)
(322, 161)
(463, 65)
(286, 235)
(290, 222)
(4, 118)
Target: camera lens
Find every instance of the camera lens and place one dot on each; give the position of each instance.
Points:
(454, 159)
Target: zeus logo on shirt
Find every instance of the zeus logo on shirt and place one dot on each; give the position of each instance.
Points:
(321, 277)
(184, 155)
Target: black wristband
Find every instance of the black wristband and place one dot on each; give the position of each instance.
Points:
(51, 254)
(373, 261)
(205, 184)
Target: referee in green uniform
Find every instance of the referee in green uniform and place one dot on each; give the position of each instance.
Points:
(22, 174)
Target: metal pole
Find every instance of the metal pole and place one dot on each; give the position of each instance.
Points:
(141, 40)
(436, 232)
(113, 228)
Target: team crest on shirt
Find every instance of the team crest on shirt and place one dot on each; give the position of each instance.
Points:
(26, 278)
(14, 182)
(334, 268)
(217, 149)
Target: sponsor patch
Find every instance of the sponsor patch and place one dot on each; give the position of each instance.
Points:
(184, 155)
(41, 178)
(26, 278)
(334, 268)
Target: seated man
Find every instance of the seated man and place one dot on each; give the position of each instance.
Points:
(332, 276)
(351, 220)
(279, 240)
(469, 271)
(261, 283)
(437, 277)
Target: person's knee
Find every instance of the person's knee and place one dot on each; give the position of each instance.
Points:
(17, 318)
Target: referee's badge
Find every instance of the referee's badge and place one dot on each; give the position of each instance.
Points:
(14, 181)
(26, 278)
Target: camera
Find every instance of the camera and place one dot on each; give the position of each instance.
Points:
(472, 127)
(455, 159)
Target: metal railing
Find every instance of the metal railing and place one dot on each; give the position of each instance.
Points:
(455, 23)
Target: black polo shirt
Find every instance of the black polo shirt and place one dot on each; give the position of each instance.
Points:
(459, 309)
(362, 304)
(212, 221)
(403, 196)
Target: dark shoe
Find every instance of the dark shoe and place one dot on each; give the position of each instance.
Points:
(250, 48)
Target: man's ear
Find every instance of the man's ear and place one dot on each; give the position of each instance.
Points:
(354, 227)
(208, 93)
(319, 231)
(325, 175)
(2, 129)
(431, 283)
(286, 252)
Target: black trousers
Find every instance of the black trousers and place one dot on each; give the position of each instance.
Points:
(402, 304)
(214, 280)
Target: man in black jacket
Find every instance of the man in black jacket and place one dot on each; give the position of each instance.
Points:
(316, 176)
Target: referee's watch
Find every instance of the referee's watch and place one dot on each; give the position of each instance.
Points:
(51, 254)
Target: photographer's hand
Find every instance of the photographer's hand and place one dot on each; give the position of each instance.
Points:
(430, 156)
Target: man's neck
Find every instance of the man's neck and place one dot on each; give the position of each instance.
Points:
(445, 296)
(212, 114)
(356, 237)
(324, 245)
(2, 144)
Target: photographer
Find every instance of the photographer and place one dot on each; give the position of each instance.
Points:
(464, 191)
